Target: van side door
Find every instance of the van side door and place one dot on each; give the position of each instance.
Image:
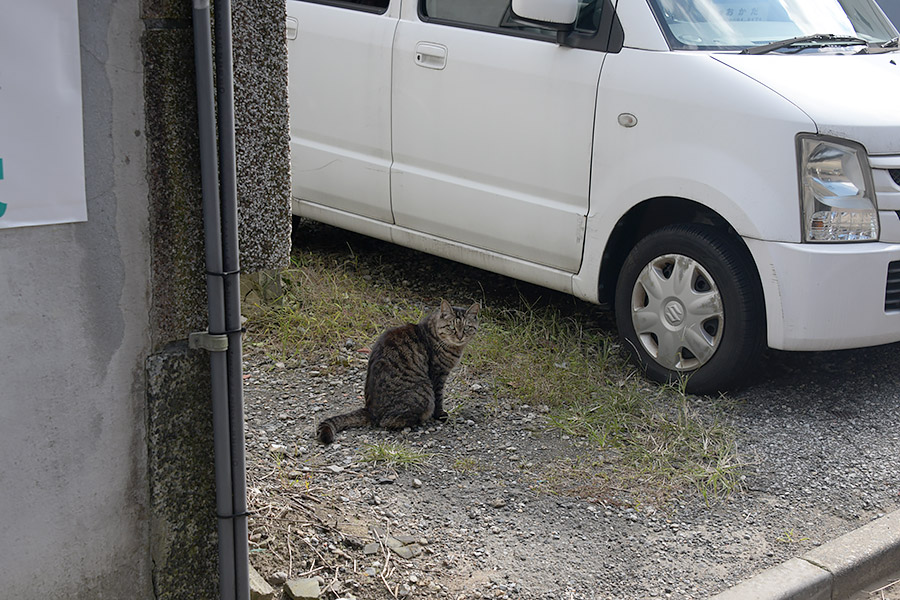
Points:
(339, 58)
(492, 130)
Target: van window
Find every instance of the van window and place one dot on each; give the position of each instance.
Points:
(496, 15)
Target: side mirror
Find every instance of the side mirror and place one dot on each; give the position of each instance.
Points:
(555, 14)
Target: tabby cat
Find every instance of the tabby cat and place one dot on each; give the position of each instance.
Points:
(408, 366)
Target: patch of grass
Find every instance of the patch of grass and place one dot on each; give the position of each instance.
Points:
(466, 465)
(539, 354)
(530, 350)
(393, 454)
(325, 301)
(664, 440)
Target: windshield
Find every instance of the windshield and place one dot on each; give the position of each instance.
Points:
(740, 24)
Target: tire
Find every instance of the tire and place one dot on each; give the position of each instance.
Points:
(689, 305)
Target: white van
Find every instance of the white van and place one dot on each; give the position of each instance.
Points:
(724, 173)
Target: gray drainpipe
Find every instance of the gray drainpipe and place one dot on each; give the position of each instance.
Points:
(231, 263)
(223, 294)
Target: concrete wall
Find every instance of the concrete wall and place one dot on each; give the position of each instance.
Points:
(106, 466)
(74, 305)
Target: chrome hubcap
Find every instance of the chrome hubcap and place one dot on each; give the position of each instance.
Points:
(677, 313)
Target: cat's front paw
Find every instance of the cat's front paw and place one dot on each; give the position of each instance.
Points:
(441, 416)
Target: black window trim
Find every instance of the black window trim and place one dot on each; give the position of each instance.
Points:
(349, 4)
(609, 36)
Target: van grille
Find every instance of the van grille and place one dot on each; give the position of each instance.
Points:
(895, 175)
(892, 293)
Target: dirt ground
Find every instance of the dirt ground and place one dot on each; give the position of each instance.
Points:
(482, 516)
(498, 507)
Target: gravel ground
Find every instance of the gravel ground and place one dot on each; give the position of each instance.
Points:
(483, 517)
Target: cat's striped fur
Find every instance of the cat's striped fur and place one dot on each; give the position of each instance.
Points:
(408, 366)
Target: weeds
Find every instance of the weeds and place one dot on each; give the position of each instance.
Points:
(790, 536)
(466, 465)
(324, 304)
(529, 350)
(393, 454)
(543, 358)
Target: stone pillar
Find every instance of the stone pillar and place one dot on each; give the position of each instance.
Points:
(182, 485)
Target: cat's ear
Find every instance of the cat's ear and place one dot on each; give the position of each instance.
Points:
(446, 308)
(473, 310)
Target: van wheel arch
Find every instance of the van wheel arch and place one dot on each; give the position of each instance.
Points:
(642, 220)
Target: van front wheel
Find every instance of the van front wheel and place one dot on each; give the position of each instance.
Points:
(688, 306)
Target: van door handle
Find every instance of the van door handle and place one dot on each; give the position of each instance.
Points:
(431, 56)
(291, 28)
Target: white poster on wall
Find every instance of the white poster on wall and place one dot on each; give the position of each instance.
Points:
(41, 135)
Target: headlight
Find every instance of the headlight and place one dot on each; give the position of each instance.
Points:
(837, 195)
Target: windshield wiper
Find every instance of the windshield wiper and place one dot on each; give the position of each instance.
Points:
(824, 39)
(881, 48)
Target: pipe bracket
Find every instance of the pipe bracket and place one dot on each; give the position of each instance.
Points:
(204, 340)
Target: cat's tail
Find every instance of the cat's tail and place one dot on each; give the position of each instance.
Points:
(330, 426)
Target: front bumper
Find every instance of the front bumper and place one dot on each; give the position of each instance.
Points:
(828, 296)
